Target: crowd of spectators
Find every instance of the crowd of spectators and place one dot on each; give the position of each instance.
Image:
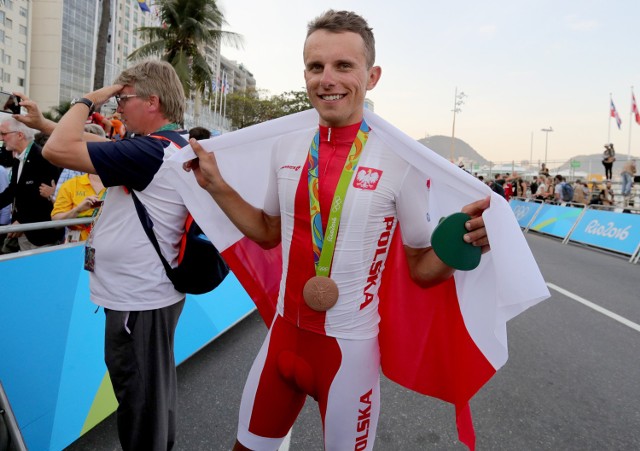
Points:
(66, 195)
(549, 189)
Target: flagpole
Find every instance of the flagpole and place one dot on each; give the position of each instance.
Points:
(630, 127)
(609, 130)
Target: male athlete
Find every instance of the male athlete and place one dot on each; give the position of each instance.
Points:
(335, 197)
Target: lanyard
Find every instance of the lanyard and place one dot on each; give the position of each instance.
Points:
(169, 126)
(324, 244)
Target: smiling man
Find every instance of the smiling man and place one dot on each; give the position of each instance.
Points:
(127, 278)
(335, 197)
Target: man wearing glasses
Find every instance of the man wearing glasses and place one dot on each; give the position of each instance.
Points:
(127, 278)
(29, 170)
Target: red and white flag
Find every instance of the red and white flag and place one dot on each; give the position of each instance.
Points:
(614, 114)
(634, 108)
(446, 341)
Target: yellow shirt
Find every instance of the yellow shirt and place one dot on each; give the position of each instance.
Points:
(71, 193)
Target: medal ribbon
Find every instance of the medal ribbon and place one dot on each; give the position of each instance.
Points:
(324, 246)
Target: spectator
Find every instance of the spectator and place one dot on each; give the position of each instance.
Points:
(549, 195)
(497, 185)
(199, 133)
(606, 196)
(628, 172)
(96, 118)
(5, 212)
(533, 186)
(541, 191)
(559, 189)
(609, 156)
(580, 193)
(544, 171)
(79, 197)
(27, 173)
(127, 278)
(118, 131)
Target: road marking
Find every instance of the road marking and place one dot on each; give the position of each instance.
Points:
(287, 442)
(595, 307)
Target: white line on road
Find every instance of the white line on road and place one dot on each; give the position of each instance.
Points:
(595, 307)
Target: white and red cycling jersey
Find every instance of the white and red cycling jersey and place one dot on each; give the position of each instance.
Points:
(384, 189)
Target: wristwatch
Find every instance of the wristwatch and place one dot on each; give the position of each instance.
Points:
(84, 101)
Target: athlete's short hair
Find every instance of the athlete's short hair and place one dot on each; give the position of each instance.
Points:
(343, 21)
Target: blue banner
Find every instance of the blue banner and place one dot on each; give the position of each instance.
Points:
(524, 211)
(618, 232)
(556, 220)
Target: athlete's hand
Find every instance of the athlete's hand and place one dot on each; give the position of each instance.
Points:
(205, 168)
(477, 233)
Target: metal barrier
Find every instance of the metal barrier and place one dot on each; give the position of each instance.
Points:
(13, 439)
(614, 228)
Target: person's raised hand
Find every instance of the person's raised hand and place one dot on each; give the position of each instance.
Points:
(204, 167)
(476, 230)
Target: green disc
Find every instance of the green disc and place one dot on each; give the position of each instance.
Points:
(448, 243)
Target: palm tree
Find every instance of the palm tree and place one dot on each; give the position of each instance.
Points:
(187, 26)
(101, 45)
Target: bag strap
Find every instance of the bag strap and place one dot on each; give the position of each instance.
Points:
(147, 225)
(145, 219)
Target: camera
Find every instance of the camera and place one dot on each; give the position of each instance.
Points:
(9, 103)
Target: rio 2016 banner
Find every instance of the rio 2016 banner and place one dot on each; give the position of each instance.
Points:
(619, 232)
(524, 211)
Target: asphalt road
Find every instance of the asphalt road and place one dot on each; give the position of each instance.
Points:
(571, 382)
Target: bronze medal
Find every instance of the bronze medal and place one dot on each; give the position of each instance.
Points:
(320, 293)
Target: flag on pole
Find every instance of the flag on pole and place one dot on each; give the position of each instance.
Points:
(446, 341)
(614, 114)
(634, 108)
(214, 85)
(143, 6)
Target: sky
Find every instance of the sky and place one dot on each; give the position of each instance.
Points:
(523, 65)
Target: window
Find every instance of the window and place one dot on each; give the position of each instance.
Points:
(22, 64)
(6, 59)
(21, 82)
(8, 24)
(23, 12)
(8, 4)
(23, 30)
(7, 77)
(1, 17)
(1, 35)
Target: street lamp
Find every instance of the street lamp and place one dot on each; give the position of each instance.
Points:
(458, 101)
(546, 142)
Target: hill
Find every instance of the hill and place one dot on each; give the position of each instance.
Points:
(592, 163)
(442, 146)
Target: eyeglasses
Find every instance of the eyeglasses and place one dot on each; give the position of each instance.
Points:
(121, 99)
(8, 133)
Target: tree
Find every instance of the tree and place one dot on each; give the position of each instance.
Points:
(55, 113)
(245, 108)
(187, 26)
(101, 45)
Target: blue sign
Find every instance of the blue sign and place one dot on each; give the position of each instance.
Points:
(524, 211)
(556, 220)
(614, 231)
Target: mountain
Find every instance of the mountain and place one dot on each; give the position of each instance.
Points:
(592, 164)
(442, 146)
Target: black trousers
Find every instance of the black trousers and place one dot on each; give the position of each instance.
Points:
(139, 356)
(608, 169)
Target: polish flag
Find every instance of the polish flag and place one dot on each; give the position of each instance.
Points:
(634, 108)
(446, 341)
(614, 114)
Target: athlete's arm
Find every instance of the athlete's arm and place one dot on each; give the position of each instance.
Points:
(253, 222)
(427, 269)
